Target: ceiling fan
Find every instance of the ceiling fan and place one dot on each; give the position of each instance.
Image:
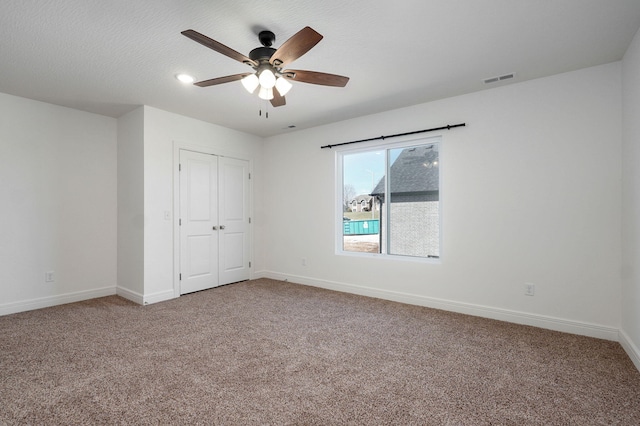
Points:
(268, 63)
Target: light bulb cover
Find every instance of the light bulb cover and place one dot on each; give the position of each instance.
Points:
(267, 78)
(266, 94)
(250, 82)
(283, 86)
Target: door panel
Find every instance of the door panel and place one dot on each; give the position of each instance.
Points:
(199, 180)
(199, 255)
(234, 250)
(234, 216)
(199, 241)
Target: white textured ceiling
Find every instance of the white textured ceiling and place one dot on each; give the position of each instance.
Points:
(110, 56)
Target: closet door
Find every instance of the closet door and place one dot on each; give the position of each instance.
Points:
(233, 177)
(199, 227)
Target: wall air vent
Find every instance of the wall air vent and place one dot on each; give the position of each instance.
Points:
(499, 78)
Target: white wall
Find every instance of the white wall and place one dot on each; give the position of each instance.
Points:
(630, 334)
(131, 205)
(162, 132)
(58, 192)
(530, 192)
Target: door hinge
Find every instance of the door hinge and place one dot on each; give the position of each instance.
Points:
(249, 176)
(179, 167)
(249, 220)
(179, 222)
(249, 264)
(180, 277)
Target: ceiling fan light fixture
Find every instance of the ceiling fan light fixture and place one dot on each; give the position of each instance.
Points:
(267, 63)
(250, 82)
(265, 93)
(267, 78)
(283, 86)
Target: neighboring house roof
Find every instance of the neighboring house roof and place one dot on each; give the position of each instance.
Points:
(360, 198)
(415, 171)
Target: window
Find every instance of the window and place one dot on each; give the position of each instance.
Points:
(398, 189)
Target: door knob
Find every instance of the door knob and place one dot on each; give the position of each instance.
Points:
(221, 226)
(215, 228)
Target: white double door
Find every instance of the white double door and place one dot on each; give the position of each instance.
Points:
(214, 221)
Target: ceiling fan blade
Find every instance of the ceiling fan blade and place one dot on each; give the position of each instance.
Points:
(220, 80)
(218, 47)
(299, 44)
(278, 100)
(314, 77)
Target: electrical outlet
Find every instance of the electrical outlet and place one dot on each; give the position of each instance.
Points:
(529, 289)
(49, 277)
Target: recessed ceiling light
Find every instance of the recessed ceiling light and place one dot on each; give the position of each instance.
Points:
(185, 78)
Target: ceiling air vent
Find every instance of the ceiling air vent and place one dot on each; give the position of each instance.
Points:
(499, 78)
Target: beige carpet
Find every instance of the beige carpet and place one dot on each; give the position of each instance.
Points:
(270, 352)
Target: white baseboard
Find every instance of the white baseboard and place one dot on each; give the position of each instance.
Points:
(60, 299)
(541, 321)
(256, 275)
(630, 348)
(147, 299)
(130, 295)
(160, 296)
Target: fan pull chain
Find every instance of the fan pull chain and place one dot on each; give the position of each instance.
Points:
(266, 112)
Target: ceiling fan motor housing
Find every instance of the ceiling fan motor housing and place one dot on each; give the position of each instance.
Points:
(261, 54)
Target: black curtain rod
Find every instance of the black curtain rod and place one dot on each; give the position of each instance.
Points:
(447, 127)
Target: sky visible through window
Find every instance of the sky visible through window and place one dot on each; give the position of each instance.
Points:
(358, 169)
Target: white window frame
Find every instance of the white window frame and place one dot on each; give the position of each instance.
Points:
(409, 141)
